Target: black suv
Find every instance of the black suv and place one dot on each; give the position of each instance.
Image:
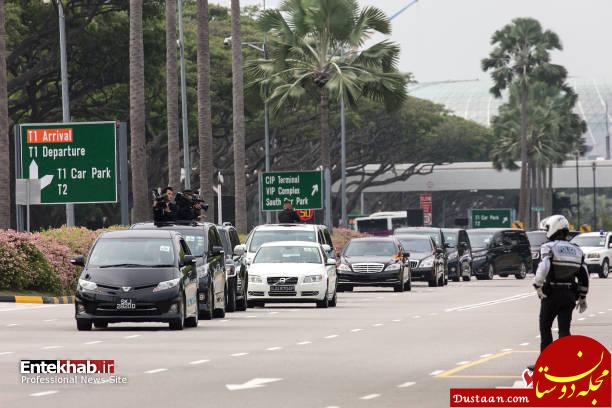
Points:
(436, 234)
(459, 254)
(236, 276)
(205, 243)
(498, 251)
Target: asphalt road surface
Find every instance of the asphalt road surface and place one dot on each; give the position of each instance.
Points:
(376, 349)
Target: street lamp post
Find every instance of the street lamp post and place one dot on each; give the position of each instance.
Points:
(577, 190)
(266, 115)
(186, 155)
(594, 196)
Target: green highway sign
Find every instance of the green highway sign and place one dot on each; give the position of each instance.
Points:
(75, 162)
(491, 218)
(303, 188)
(537, 209)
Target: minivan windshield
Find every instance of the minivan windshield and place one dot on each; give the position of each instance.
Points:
(288, 254)
(196, 241)
(586, 241)
(375, 248)
(261, 237)
(480, 239)
(451, 238)
(537, 238)
(428, 233)
(132, 252)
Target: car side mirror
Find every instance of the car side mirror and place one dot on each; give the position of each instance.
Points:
(326, 248)
(78, 260)
(610, 245)
(331, 262)
(188, 260)
(217, 250)
(240, 250)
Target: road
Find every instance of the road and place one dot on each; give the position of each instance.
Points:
(376, 349)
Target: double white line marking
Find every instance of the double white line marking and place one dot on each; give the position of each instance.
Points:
(514, 298)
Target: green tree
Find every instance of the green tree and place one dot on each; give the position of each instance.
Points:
(5, 158)
(172, 112)
(138, 159)
(316, 51)
(521, 56)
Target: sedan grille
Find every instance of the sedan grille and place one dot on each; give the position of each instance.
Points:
(414, 264)
(287, 281)
(368, 267)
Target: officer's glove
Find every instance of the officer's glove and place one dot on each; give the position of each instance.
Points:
(581, 305)
(540, 292)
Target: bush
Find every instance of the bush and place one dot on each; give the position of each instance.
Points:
(341, 236)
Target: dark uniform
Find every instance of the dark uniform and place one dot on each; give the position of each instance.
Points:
(289, 216)
(160, 213)
(563, 277)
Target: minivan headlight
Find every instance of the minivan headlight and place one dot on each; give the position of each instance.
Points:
(427, 262)
(84, 284)
(255, 279)
(313, 278)
(166, 285)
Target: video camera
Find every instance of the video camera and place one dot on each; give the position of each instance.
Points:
(157, 197)
(190, 199)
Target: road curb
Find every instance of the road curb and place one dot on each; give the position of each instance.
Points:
(60, 300)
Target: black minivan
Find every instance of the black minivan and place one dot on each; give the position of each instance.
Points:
(500, 251)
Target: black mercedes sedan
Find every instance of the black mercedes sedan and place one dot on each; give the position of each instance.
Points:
(137, 276)
(374, 262)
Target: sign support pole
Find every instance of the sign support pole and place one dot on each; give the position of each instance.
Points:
(123, 175)
(28, 203)
(18, 174)
(328, 210)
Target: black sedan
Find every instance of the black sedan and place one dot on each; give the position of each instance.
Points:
(536, 239)
(426, 259)
(374, 262)
(459, 253)
(137, 276)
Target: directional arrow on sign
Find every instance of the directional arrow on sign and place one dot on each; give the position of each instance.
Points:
(44, 181)
(315, 189)
(254, 383)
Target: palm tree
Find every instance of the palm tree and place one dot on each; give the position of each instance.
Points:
(238, 118)
(138, 148)
(204, 109)
(521, 55)
(174, 154)
(317, 52)
(5, 158)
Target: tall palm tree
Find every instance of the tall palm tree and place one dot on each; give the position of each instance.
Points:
(172, 112)
(5, 159)
(138, 145)
(238, 118)
(205, 137)
(317, 52)
(521, 55)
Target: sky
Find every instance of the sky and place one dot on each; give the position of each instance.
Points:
(446, 39)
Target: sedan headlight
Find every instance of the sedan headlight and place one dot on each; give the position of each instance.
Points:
(255, 279)
(427, 262)
(313, 278)
(393, 267)
(594, 255)
(166, 285)
(87, 285)
(344, 268)
(453, 256)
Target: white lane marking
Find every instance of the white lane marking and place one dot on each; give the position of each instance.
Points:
(251, 317)
(196, 362)
(94, 342)
(224, 320)
(377, 325)
(486, 355)
(436, 372)
(13, 325)
(416, 317)
(331, 336)
(406, 384)
(601, 312)
(254, 383)
(4, 353)
(463, 363)
(433, 314)
(506, 350)
(302, 343)
(396, 320)
(157, 370)
(591, 315)
(16, 309)
(133, 336)
(524, 344)
(581, 319)
(274, 348)
(42, 394)
(555, 329)
(49, 320)
(609, 310)
(356, 330)
(520, 296)
(538, 336)
(369, 397)
(239, 354)
(50, 347)
(273, 312)
(379, 297)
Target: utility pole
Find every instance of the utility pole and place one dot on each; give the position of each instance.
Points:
(186, 156)
(594, 196)
(577, 189)
(607, 131)
(266, 117)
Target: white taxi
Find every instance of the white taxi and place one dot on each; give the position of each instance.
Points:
(292, 272)
(597, 248)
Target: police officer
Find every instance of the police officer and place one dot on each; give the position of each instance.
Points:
(288, 215)
(561, 281)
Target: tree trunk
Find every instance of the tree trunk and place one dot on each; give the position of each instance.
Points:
(238, 116)
(523, 196)
(141, 210)
(531, 197)
(205, 137)
(5, 158)
(549, 191)
(174, 154)
(325, 142)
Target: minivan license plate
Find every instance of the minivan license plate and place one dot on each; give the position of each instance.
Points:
(126, 304)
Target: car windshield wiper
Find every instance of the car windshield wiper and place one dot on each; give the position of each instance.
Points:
(124, 265)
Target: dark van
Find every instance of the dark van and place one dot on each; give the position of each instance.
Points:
(499, 251)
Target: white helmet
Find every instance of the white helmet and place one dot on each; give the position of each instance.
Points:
(555, 224)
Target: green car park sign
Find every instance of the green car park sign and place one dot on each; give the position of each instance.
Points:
(303, 188)
(491, 218)
(75, 162)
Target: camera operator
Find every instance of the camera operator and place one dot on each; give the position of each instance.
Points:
(164, 210)
(189, 206)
